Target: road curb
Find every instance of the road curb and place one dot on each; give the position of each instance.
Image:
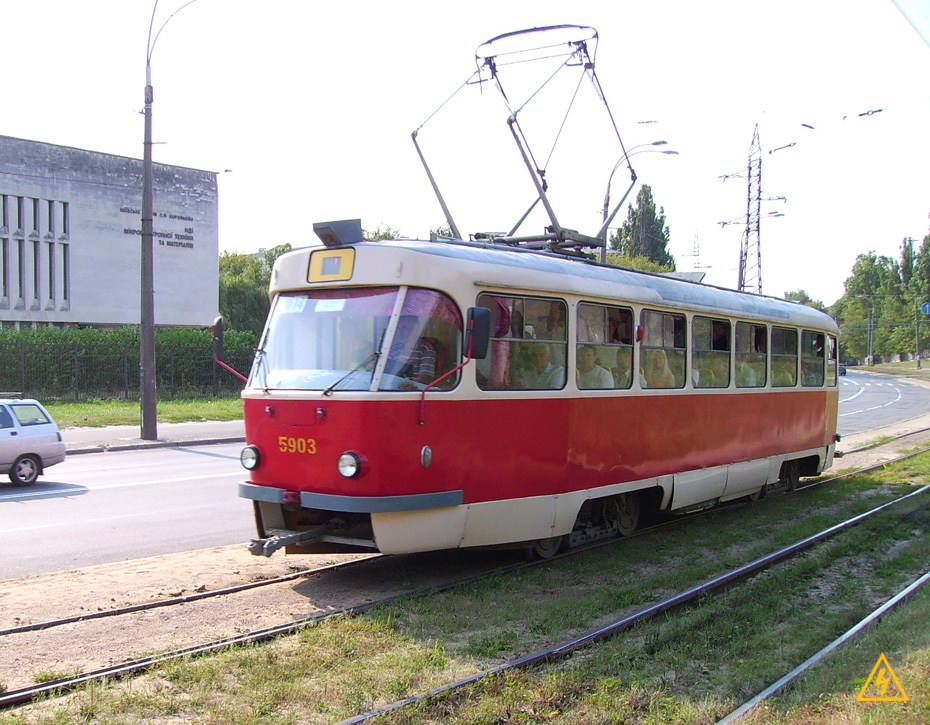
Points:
(107, 448)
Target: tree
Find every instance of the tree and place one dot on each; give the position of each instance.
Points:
(244, 280)
(380, 235)
(805, 299)
(643, 264)
(644, 233)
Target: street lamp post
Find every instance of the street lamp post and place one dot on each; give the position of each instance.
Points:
(149, 404)
(147, 388)
(607, 217)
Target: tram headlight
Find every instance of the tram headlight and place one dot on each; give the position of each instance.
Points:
(250, 458)
(350, 464)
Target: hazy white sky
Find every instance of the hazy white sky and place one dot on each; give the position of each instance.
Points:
(311, 105)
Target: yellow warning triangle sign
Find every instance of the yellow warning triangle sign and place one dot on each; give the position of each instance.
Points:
(880, 681)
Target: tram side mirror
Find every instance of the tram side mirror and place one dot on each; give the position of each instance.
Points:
(218, 338)
(478, 332)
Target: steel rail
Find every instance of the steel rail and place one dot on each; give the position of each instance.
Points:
(562, 650)
(187, 598)
(851, 633)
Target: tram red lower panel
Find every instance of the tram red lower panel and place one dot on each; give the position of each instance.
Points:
(512, 448)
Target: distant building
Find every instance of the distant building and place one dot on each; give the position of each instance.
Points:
(70, 238)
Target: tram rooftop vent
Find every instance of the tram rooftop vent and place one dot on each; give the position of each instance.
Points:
(337, 234)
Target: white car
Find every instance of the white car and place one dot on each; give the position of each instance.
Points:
(30, 441)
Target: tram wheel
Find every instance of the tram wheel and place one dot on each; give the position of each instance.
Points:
(758, 494)
(546, 548)
(623, 512)
(791, 474)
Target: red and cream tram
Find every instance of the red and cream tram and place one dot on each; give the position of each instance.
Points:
(601, 391)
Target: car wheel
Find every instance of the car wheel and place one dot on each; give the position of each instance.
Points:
(25, 471)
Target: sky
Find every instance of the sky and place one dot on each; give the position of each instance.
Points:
(310, 107)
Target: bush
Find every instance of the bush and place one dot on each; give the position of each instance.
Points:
(53, 363)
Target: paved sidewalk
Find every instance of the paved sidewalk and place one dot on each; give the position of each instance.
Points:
(126, 437)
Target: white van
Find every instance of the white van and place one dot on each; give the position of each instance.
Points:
(30, 440)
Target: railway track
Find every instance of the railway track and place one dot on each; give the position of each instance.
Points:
(28, 694)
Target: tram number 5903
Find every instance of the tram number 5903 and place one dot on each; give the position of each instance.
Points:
(287, 444)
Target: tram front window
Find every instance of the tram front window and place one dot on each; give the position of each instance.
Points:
(332, 340)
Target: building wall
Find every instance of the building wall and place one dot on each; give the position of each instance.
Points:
(71, 244)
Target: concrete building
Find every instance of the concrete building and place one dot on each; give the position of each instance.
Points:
(70, 238)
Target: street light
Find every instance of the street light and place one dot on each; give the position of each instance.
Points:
(607, 217)
(147, 392)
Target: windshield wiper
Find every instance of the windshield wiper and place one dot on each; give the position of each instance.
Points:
(374, 356)
(357, 368)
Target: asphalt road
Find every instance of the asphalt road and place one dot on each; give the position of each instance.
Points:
(117, 506)
(869, 400)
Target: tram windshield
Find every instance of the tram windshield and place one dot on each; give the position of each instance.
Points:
(340, 339)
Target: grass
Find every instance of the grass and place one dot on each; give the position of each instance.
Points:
(908, 369)
(692, 666)
(96, 413)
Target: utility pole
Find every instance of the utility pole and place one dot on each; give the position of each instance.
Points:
(750, 257)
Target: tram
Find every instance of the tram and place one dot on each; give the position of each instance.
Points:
(411, 396)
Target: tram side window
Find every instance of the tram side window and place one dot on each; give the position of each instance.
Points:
(784, 357)
(605, 347)
(710, 353)
(663, 350)
(812, 358)
(831, 361)
(528, 344)
(751, 348)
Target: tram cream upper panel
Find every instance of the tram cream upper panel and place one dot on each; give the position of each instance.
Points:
(464, 269)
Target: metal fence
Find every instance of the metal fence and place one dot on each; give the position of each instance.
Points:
(76, 370)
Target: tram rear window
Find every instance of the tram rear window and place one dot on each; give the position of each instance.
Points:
(528, 343)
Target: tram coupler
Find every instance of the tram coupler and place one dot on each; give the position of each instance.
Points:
(282, 538)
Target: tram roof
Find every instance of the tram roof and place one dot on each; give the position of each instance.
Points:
(649, 286)
(516, 266)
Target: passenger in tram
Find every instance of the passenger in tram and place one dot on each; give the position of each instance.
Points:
(621, 328)
(542, 374)
(410, 357)
(623, 373)
(590, 374)
(745, 376)
(555, 322)
(656, 370)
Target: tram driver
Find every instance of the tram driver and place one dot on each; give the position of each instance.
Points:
(411, 357)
